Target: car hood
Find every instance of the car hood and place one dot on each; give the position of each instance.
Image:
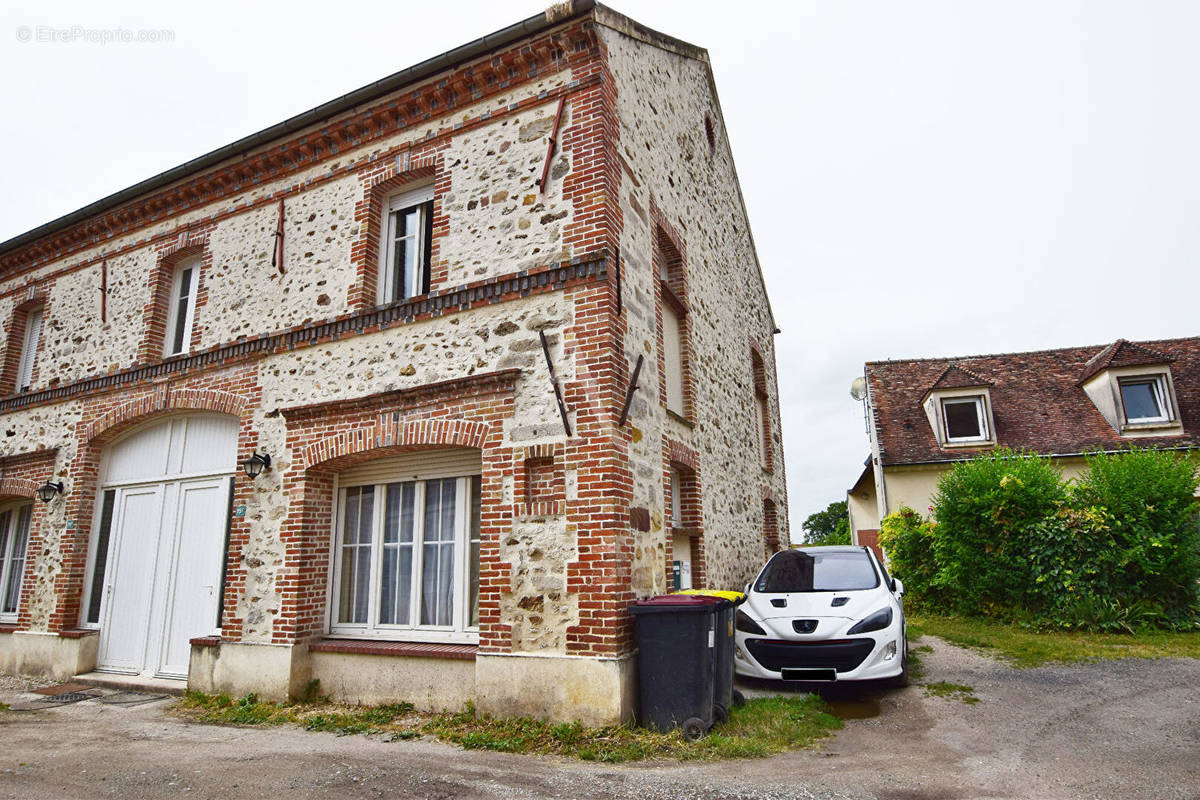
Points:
(815, 605)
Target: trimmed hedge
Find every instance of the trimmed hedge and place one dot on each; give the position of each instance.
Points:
(1116, 549)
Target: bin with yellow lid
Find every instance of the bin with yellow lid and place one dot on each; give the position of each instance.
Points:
(725, 696)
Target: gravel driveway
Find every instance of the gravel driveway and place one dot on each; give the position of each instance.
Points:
(1118, 729)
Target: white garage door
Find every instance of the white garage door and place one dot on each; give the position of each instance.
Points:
(160, 542)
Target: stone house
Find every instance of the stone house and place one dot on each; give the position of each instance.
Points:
(924, 415)
(412, 394)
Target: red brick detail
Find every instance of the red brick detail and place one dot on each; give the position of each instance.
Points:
(770, 527)
(8, 627)
(686, 462)
(387, 431)
(539, 484)
(671, 287)
(20, 476)
(188, 243)
(164, 399)
(380, 179)
(35, 297)
(232, 390)
(77, 633)
(321, 441)
(205, 641)
(464, 652)
(762, 396)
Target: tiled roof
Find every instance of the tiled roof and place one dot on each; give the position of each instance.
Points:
(1122, 353)
(1037, 401)
(957, 376)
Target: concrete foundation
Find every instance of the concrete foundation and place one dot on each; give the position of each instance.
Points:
(47, 654)
(430, 684)
(595, 691)
(271, 671)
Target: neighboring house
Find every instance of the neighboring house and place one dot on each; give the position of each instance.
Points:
(924, 415)
(373, 294)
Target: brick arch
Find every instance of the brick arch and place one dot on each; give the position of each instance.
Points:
(378, 182)
(188, 243)
(11, 486)
(162, 402)
(388, 432)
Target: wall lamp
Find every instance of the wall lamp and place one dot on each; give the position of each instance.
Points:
(255, 464)
(48, 489)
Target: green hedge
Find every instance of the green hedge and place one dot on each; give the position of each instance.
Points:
(1116, 549)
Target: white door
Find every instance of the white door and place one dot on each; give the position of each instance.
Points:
(160, 576)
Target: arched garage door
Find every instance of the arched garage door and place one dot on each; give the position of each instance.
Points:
(159, 543)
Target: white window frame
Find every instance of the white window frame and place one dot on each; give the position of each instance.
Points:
(980, 402)
(1162, 394)
(676, 498)
(34, 318)
(8, 555)
(418, 198)
(189, 316)
(458, 630)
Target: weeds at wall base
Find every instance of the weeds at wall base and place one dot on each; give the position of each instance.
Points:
(762, 727)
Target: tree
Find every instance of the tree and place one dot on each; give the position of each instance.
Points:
(831, 526)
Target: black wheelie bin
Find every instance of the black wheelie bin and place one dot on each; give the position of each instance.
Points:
(676, 669)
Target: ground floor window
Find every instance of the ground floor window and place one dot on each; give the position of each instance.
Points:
(14, 539)
(406, 559)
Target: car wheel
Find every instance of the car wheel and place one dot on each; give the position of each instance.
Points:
(739, 699)
(693, 728)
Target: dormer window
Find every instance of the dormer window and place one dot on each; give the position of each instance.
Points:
(958, 407)
(965, 419)
(1145, 399)
(1131, 386)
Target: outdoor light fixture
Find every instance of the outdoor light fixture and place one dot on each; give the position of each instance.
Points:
(47, 490)
(256, 463)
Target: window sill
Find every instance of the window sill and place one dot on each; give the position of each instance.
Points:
(680, 418)
(78, 633)
(464, 652)
(973, 445)
(205, 641)
(1138, 427)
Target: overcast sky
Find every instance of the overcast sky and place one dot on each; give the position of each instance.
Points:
(923, 178)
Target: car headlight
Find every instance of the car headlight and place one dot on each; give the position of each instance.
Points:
(746, 625)
(876, 622)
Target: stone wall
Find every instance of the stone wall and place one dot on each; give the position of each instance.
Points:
(667, 107)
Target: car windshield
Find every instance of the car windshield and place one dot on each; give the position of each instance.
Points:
(798, 571)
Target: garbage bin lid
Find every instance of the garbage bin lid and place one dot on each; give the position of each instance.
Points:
(675, 603)
(737, 598)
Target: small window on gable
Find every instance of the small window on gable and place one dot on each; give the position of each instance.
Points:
(965, 419)
(407, 245)
(29, 346)
(1145, 399)
(182, 311)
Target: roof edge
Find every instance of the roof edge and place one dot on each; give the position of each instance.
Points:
(551, 17)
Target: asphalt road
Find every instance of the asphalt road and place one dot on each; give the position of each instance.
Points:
(1119, 729)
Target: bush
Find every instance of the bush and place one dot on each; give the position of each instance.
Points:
(1148, 547)
(1118, 549)
(989, 513)
(908, 540)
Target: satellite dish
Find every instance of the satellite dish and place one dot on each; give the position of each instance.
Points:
(858, 388)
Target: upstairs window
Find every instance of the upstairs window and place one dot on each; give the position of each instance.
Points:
(182, 310)
(965, 419)
(1145, 399)
(29, 346)
(14, 538)
(407, 245)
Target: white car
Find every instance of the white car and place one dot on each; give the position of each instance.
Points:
(822, 614)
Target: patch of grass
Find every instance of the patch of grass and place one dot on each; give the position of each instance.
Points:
(951, 691)
(1025, 647)
(761, 727)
